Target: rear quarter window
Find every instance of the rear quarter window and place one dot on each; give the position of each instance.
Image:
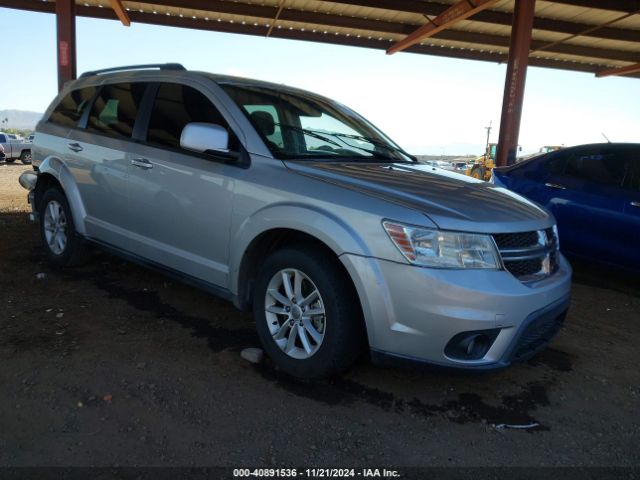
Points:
(69, 111)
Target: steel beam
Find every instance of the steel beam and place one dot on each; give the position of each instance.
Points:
(66, 31)
(275, 19)
(461, 10)
(515, 80)
(122, 14)
(619, 71)
(614, 5)
(372, 42)
(331, 20)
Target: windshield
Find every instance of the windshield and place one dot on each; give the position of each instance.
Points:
(302, 126)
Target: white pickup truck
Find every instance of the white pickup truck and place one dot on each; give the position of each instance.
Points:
(14, 148)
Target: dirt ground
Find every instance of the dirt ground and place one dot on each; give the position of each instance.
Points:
(111, 364)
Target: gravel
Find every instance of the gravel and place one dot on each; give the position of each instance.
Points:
(142, 370)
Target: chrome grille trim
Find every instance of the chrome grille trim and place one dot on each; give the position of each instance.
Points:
(529, 256)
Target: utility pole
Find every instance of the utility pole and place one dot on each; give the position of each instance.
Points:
(488, 129)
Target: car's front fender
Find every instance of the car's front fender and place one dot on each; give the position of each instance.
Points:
(323, 225)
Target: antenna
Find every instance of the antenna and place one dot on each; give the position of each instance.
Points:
(606, 138)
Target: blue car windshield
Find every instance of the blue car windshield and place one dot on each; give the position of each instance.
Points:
(301, 126)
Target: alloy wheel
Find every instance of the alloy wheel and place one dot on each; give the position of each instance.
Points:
(295, 313)
(55, 227)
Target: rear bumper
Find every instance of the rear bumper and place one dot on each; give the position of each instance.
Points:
(28, 181)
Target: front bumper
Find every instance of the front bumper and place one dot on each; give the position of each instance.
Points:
(412, 313)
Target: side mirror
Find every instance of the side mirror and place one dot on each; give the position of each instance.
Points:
(202, 137)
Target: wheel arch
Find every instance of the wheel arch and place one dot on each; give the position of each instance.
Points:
(53, 172)
(275, 239)
(280, 226)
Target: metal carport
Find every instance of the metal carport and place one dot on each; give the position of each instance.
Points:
(597, 36)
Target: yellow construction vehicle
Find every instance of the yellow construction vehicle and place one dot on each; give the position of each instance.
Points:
(551, 148)
(482, 166)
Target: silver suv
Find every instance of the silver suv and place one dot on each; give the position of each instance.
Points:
(291, 204)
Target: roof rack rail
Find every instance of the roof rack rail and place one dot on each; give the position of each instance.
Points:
(161, 66)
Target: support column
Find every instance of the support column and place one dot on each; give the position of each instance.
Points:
(66, 26)
(523, 15)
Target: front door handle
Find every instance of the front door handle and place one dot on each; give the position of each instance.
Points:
(142, 163)
(635, 204)
(76, 147)
(555, 185)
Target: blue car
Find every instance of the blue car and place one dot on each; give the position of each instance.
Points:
(594, 193)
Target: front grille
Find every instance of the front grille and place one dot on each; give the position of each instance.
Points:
(521, 268)
(535, 336)
(516, 240)
(529, 256)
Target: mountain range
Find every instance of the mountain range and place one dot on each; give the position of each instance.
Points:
(19, 119)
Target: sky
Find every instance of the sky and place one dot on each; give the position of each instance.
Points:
(427, 104)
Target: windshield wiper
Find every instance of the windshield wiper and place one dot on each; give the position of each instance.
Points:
(321, 136)
(375, 142)
(311, 133)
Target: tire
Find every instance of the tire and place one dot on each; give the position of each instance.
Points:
(478, 171)
(9, 160)
(25, 157)
(335, 337)
(63, 246)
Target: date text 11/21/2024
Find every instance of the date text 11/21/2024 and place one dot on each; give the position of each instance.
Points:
(316, 473)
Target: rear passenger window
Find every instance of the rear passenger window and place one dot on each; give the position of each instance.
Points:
(69, 111)
(175, 106)
(115, 109)
(604, 168)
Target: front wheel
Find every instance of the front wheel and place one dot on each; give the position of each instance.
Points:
(25, 157)
(63, 247)
(478, 171)
(307, 313)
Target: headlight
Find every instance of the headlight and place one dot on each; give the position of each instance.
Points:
(443, 249)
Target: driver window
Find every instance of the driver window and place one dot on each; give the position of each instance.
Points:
(175, 106)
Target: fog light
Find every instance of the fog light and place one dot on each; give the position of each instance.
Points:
(471, 345)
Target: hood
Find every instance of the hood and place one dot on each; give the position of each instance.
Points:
(451, 200)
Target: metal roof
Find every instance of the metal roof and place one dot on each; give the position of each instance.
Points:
(585, 35)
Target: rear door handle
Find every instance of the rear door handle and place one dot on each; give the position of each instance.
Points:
(76, 147)
(555, 185)
(635, 204)
(142, 163)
